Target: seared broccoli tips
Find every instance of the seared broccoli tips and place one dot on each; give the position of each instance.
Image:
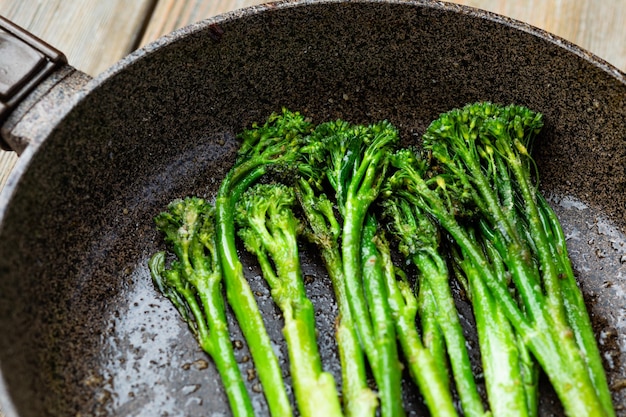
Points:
(407, 235)
(352, 160)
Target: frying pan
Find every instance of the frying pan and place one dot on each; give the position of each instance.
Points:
(84, 333)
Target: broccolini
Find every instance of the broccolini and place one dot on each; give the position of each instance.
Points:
(269, 229)
(193, 283)
(275, 142)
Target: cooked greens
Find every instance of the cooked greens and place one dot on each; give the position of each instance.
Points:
(397, 228)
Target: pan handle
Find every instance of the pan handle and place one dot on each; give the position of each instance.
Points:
(34, 76)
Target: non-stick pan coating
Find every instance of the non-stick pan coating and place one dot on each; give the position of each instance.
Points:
(83, 331)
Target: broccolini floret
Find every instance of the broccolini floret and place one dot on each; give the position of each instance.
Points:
(418, 240)
(482, 150)
(466, 206)
(323, 230)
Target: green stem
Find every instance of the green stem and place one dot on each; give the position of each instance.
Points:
(211, 330)
(575, 307)
(429, 375)
(436, 274)
(243, 303)
(528, 206)
(431, 332)
(386, 364)
(274, 233)
(546, 343)
(358, 399)
(529, 370)
(315, 390)
(221, 349)
(352, 273)
(498, 349)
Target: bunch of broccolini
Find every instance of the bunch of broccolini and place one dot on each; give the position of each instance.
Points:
(396, 229)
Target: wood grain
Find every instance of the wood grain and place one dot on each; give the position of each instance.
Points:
(92, 33)
(170, 15)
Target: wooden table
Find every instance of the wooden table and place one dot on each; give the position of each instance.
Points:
(94, 34)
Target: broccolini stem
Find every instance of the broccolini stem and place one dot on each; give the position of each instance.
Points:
(546, 343)
(530, 377)
(554, 349)
(358, 399)
(262, 146)
(498, 348)
(548, 316)
(193, 284)
(530, 211)
(314, 389)
(387, 368)
(556, 352)
(529, 370)
(430, 376)
(434, 271)
(221, 347)
(243, 303)
(431, 332)
(575, 307)
(351, 256)
(212, 334)
(268, 228)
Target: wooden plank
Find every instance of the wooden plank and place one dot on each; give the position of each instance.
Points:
(170, 15)
(93, 34)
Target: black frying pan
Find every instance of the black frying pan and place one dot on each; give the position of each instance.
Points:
(83, 330)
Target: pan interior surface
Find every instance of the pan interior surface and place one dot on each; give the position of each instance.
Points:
(85, 333)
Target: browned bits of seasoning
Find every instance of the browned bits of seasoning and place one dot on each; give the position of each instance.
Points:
(618, 385)
(251, 374)
(201, 364)
(93, 381)
(308, 279)
(257, 388)
(103, 396)
(186, 366)
(245, 359)
(238, 344)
